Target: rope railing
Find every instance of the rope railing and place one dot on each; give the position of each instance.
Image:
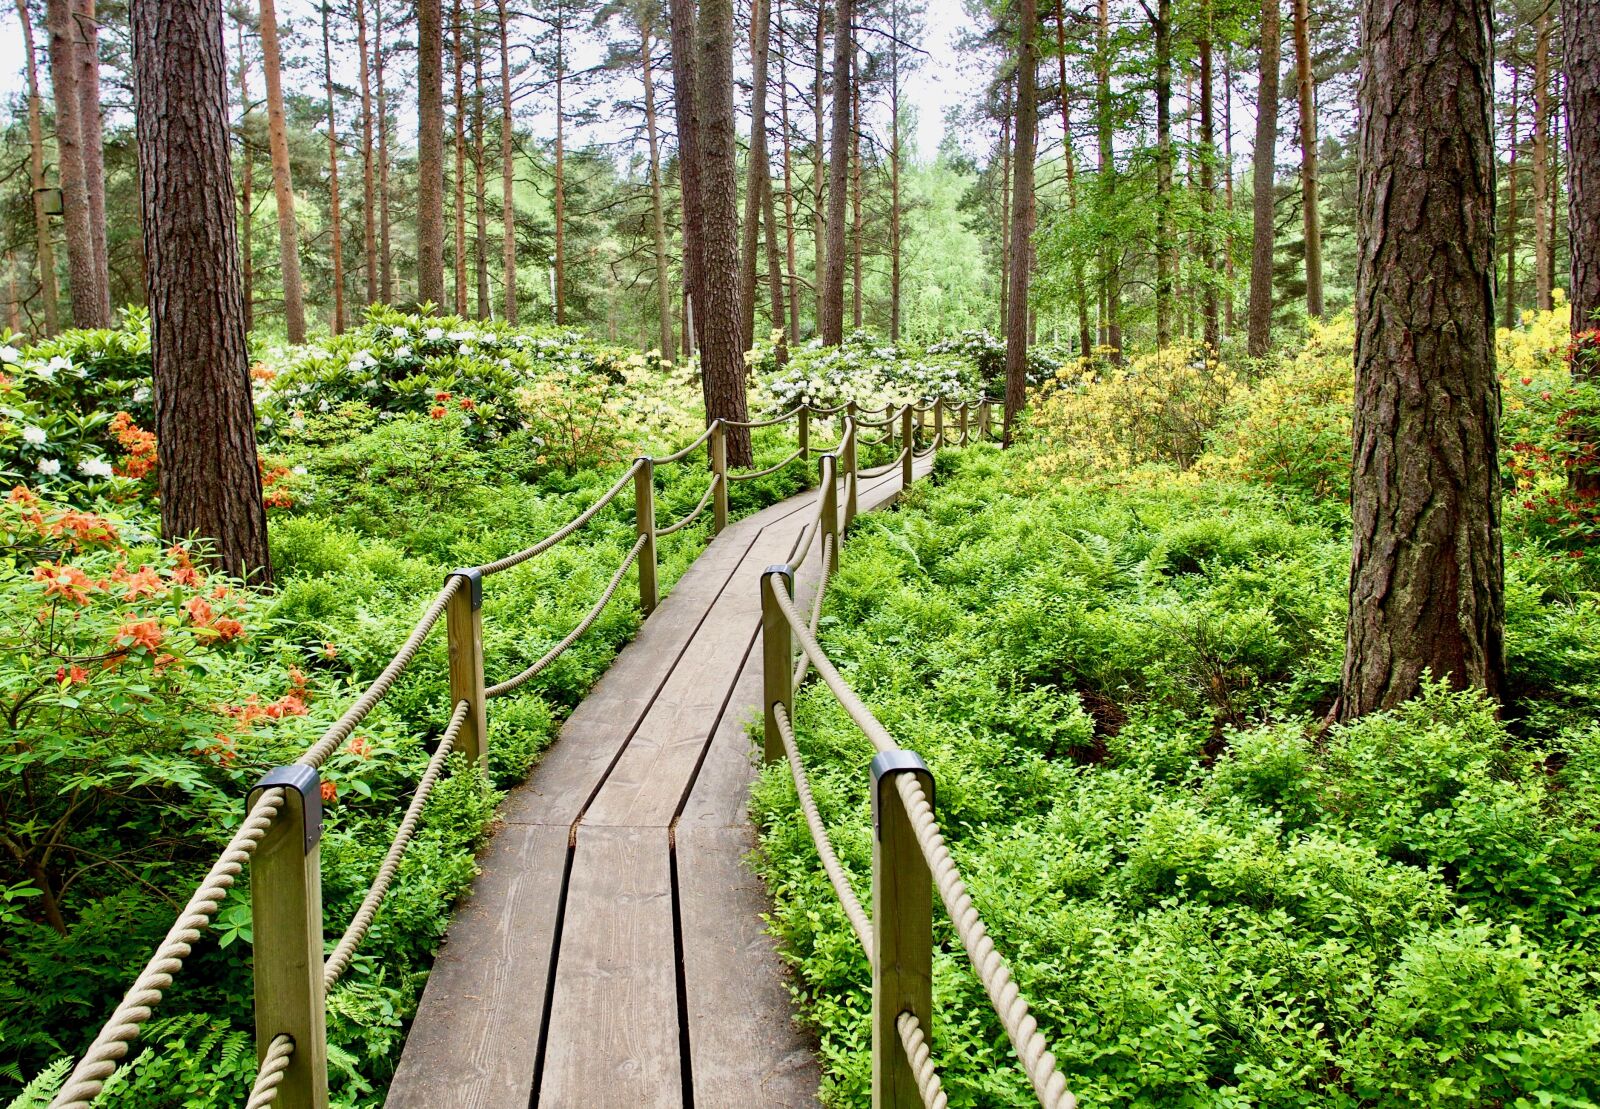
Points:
(879, 471)
(920, 1058)
(269, 1075)
(770, 421)
(748, 474)
(713, 429)
(694, 513)
(561, 533)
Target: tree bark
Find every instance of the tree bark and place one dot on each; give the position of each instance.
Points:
(91, 130)
(721, 360)
(294, 313)
(385, 258)
(82, 279)
(205, 419)
(1022, 216)
(480, 210)
(832, 304)
(1210, 316)
(658, 221)
(430, 152)
(819, 182)
(1509, 319)
(247, 203)
(1069, 157)
(1166, 241)
(894, 170)
(686, 106)
(1310, 180)
(792, 281)
(756, 167)
(458, 58)
(334, 222)
(43, 245)
(1265, 158)
(1228, 321)
(1542, 239)
(560, 200)
(1009, 108)
(369, 216)
(1427, 567)
(508, 198)
(855, 193)
(1111, 290)
(1580, 29)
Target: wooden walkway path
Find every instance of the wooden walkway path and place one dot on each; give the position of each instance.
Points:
(612, 951)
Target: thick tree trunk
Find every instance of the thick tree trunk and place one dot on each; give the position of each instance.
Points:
(1022, 216)
(756, 168)
(686, 106)
(43, 245)
(430, 152)
(1509, 318)
(247, 202)
(1427, 567)
(336, 246)
(832, 304)
(205, 419)
(1166, 241)
(1265, 157)
(1211, 323)
(508, 198)
(294, 313)
(721, 360)
(82, 278)
(1580, 29)
(458, 59)
(480, 210)
(1542, 239)
(91, 130)
(658, 220)
(369, 216)
(385, 258)
(792, 282)
(1310, 180)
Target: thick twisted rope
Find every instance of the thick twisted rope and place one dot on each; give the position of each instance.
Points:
(100, 1060)
(989, 965)
(769, 421)
(571, 526)
(705, 499)
(680, 455)
(788, 458)
(270, 1076)
(920, 1058)
(859, 921)
(572, 637)
(816, 607)
(810, 533)
(879, 471)
(337, 963)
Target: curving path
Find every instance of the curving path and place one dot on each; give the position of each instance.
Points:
(612, 951)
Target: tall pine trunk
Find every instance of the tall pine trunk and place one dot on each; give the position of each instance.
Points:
(832, 302)
(894, 171)
(686, 107)
(1427, 567)
(1509, 317)
(1310, 179)
(430, 152)
(855, 194)
(480, 210)
(247, 202)
(88, 310)
(819, 182)
(561, 167)
(1580, 28)
(756, 167)
(43, 245)
(1265, 157)
(792, 280)
(458, 59)
(91, 130)
(385, 257)
(1022, 215)
(336, 247)
(205, 418)
(294, 312)
(1069, 157)
(1111, 267)
(658, 220)
(1210, 314)
(721, 360)
(1228, 321)
(1166, 242)
(1542, 239)
(508, 196)
(369, 194)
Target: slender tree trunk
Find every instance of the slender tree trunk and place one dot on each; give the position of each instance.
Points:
(1542, 239)
(1209, 314)
(1022, 218)
(294, 313)
(14, 301)
(458, 58)
(1080, 289)
(1009, 107)
(1509, 319)
(334, 223)
(1111, 291)
(855, 194)
(1310, 187)
(832, 304)
(247, 203)
(686, 106)
(1228, 320)
(561, 167)
(819, 182)
(43, 245)
(756, 167)
(1580, 28)
(1427, 567)
(657, 207)
(385, 264)
(83, 281)
(430, 152)
(792, 281)
(721, 361)
(1166, 242)
(1265, 172)
(769, 216)
(894, 172)
(91, 130)
(369, 220)
(480, 210)
(205, 419)
(1554, 182)
(508, 198)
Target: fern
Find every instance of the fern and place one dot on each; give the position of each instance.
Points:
(37, 1094)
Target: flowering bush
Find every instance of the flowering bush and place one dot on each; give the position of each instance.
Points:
(987, 355)
(54, 430)
(863, 370)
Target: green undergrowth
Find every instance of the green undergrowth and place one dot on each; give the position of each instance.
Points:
(1209, 899)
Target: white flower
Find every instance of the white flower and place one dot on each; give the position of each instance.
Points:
(433, 334)
(299, 470)
(49, 467)
(60, 362)
(94, 467)
(45, 371)
(463, 336)
(35, 435)
(9, 353)
(401, 352)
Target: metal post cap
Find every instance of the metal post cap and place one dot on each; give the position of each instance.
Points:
(305, 781)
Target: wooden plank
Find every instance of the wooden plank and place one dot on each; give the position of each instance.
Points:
(613, 1037)
(473, 1040)
(744, 1047)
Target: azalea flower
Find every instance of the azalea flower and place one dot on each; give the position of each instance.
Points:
(49, 467)
(95, 467)
(34, 435)
(9, 353)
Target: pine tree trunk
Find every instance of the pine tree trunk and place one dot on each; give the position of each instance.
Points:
(1228, 321)
(756, 167)
(894, 171)
(1080, 289)
(91, 130)
(430, 152)
(792, 282)
(658, 219)
(721, 360)
(369, 215)
(832, 304)
(819, 182)
(1542, 239)
(458, 58)
(1111, 289)
(855, 194)
(769, 217)
(1509, 319)
(686, 106)
(561, 167)
(334, 222)
(1166, 242)
(1265, 157)
(480, 211)
(205, 419)
(1310, 180)
(247, 202)
(43, 244)
(1580, 28)
(508, 198)
(294, 313)
(385, 258)
(82, 280)
(1427, 567)
(1209, 312)
(1022, 216)
(1005, 203)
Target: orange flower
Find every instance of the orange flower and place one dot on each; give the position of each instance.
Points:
(77, 675)
(437, 412)
(441, 397)
(228, 628)
(21, 494)
(198, 611)
(361, 747)
(329, 651)
(145, 583)
(140, 633)
(87, 527)
(65, 581)
(468, 403)
(330, 792)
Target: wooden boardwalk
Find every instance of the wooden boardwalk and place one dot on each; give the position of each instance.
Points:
(612, 951)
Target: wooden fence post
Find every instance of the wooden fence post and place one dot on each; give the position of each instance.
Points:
(908, 447)
(983, 419)
(286, 913)
(719, 471)
(804, 432)
(848, 460)
(644, 502)
(963, 416)
(938, 422)
(829, 514)
(902, 930)
(464, 626)
(777, 658)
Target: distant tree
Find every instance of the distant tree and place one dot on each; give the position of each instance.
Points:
(336, 245)
(686, 107)
(294, 314)
(1310, 178)
(1427, 567)
(1022, 204)
(831, 304)
(205, 419)
(1265, 172)
(90, 304)
(44, 247)
(430, 152)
